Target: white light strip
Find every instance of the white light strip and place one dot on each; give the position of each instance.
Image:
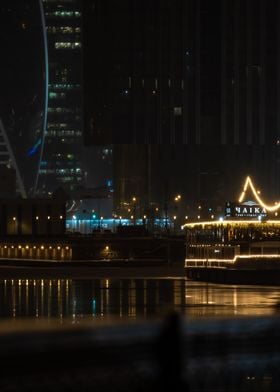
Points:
(232, 261)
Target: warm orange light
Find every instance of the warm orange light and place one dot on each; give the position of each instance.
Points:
(233, 260)
(249, 183)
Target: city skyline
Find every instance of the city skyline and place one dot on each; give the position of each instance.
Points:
(191, 88)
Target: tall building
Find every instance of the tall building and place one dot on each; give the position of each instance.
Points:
(62, 165)
(196, 84)
(134, 72)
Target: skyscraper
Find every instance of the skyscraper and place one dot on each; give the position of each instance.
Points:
(199, 78)
(62, 164)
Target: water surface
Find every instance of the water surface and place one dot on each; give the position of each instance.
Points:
(65, 299)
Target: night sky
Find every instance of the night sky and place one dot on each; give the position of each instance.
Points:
(22, 81)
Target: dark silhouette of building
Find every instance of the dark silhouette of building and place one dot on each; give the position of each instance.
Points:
(197, 84)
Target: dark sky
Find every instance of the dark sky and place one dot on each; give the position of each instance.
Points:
(22, 88)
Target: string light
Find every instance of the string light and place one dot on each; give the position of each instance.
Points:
(249, 182)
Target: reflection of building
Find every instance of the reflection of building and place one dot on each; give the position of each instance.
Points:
(62, 157)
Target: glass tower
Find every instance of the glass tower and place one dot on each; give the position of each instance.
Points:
(61, 165)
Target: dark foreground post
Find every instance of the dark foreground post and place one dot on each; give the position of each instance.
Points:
(169, 352)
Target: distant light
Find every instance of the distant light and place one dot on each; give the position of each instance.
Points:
(37, 217)
(49, 217)
(212, 216)
(186, 217)
(61, 217)
(221, 219)
(14, 218)
(145, 216)
(74, 217)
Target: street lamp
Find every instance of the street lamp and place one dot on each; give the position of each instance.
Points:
(174, 219)
(134, 210)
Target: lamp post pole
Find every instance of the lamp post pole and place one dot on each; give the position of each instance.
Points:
(134, 210)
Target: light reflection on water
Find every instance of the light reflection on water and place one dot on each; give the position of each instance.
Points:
(132, 298)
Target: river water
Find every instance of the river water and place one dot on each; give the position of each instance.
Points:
(70, 299)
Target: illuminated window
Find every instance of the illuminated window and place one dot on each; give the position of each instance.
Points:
(178, 111)
(67, 45)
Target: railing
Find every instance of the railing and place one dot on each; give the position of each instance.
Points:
(225, 263)
(208, 263)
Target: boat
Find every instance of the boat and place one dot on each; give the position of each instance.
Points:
(242, 247)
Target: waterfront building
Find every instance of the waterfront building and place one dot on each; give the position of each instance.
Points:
(32, 217)
(240, 247)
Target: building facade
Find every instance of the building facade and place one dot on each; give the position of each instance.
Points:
(62, 165)
(196, 84)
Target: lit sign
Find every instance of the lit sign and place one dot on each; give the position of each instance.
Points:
(248, 209)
